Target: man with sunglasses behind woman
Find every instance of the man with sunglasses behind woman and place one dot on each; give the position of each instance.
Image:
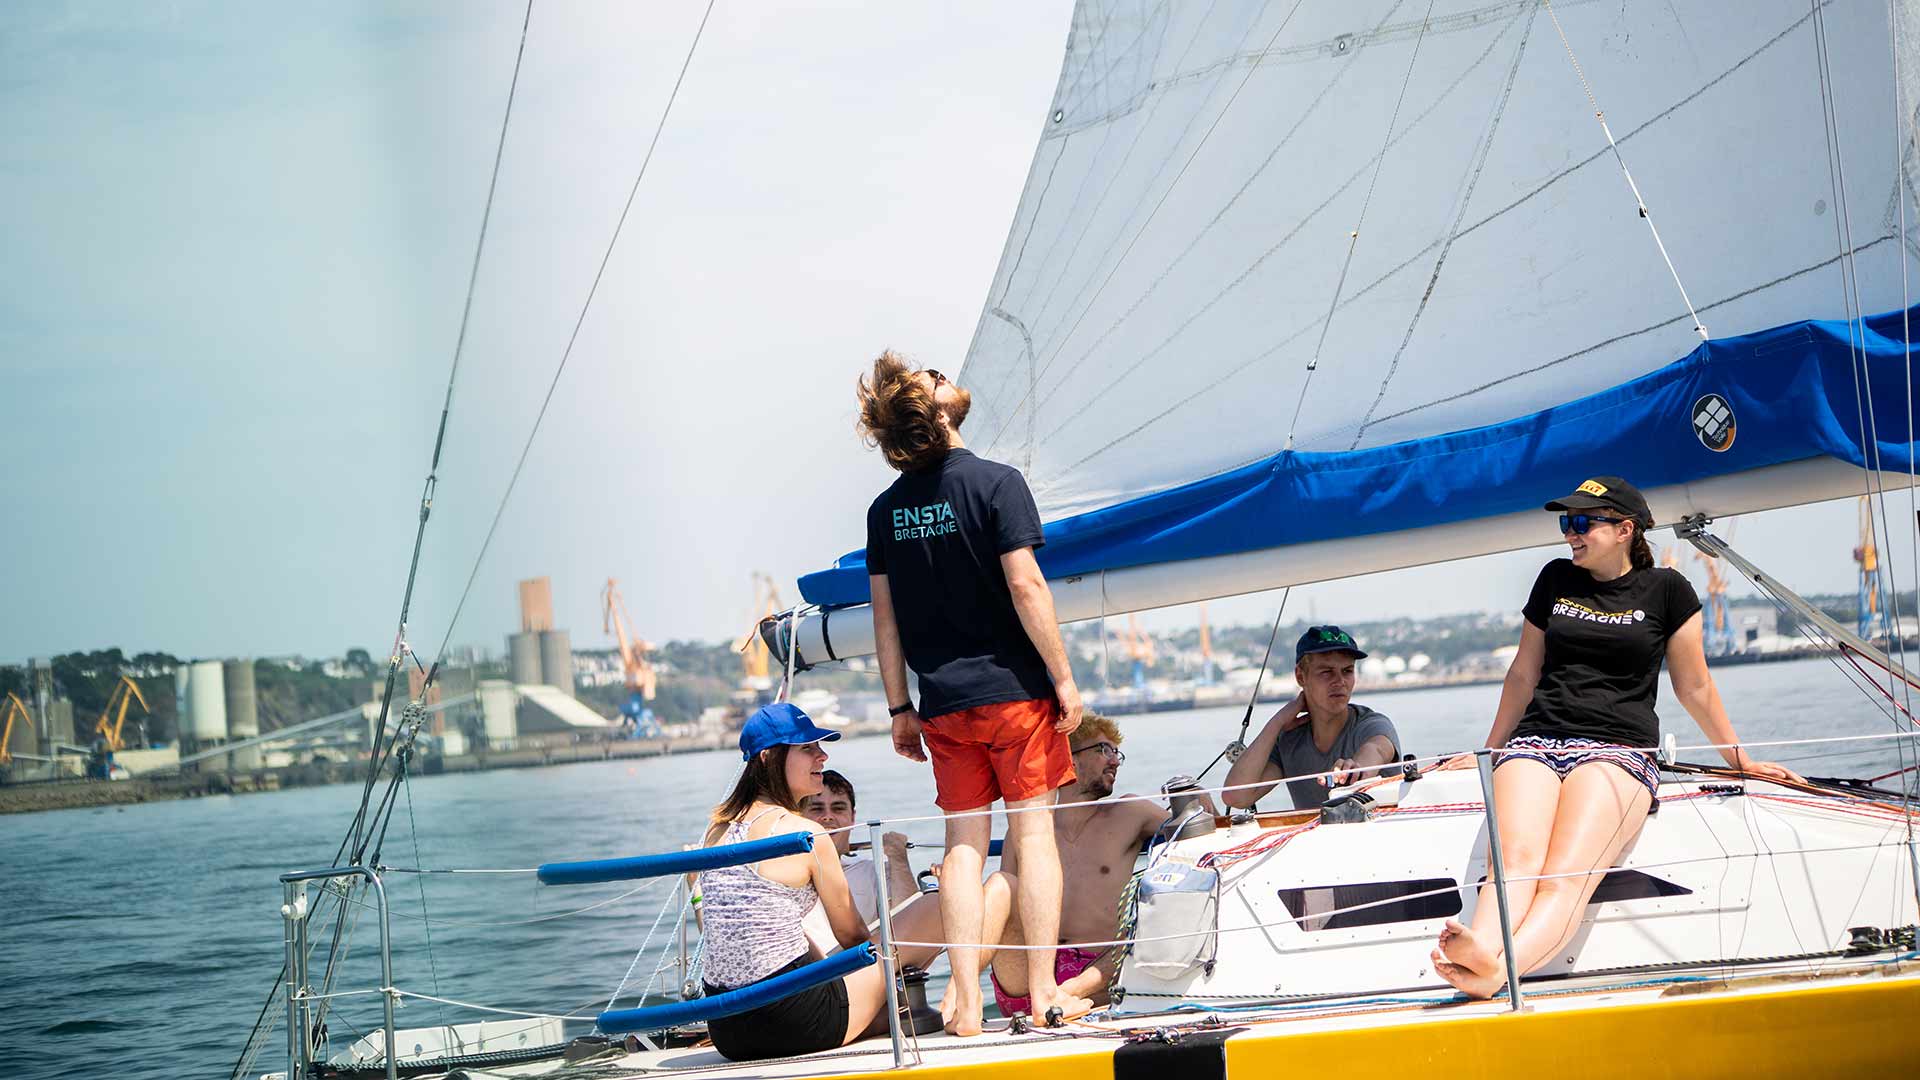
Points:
(1574, 781)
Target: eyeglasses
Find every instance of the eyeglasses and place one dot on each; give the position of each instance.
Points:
(1106, 748)
(936, 376)
(1578, 524)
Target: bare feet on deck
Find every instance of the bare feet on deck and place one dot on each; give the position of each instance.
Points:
(1070, 1006)
(960, 1010)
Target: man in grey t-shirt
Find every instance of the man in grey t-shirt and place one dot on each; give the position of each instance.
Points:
(1320, 730)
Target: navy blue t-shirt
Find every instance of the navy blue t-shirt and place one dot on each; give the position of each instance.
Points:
(937, 535)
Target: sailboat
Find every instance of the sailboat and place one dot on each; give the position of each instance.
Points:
(1299, 291)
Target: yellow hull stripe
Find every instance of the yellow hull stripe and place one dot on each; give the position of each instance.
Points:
(1869, 1028)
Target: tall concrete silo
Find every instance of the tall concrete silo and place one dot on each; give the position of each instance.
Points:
(243, 712)
(523, 657)
(556, 660)
(204, 721)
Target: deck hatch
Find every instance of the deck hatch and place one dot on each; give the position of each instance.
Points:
(1413, 900)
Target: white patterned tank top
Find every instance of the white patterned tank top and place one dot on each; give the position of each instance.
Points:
(752, 923)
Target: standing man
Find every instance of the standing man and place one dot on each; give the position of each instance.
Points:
(958, 596)
(1320, 730)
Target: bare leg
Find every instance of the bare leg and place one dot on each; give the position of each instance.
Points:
(1526, 794)
(962, 912)
(997, 911)
(1038, 901)
(1601, 810)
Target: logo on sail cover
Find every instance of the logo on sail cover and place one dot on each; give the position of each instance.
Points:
(1713, 423)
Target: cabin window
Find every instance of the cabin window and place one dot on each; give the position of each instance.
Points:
(1634, 885)
(1324, 907)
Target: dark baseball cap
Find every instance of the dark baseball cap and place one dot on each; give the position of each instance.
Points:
(780, 724)
(1607, 493)
(1325, 639)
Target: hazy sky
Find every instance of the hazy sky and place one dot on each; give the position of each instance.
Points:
(236, 242)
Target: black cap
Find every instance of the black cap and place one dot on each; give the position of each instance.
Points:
(1607, 493)
(1327, 638)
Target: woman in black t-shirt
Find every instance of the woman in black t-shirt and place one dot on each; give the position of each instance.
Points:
(1575, 780)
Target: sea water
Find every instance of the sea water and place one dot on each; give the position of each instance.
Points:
(145, 939)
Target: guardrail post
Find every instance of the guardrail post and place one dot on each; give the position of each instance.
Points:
(1497, 869)
(292, 901)
(889, 965)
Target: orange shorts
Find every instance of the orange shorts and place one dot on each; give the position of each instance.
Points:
(1007, 750)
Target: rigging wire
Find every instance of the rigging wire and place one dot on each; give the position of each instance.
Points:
(1353, 237)
(592, 291)
(1246, 721)
(376, 758)
(1641, 202)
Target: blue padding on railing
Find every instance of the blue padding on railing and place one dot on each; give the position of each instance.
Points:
(674, 862)
(734, 1002)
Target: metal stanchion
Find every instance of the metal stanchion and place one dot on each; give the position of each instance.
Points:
(1497, 870)
(293, 913)
(889, 965)
(288, 882)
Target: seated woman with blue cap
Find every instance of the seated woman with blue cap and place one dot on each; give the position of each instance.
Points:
(752, 913)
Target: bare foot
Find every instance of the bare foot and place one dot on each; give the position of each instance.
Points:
(960, 1011)
(1460, 945)
(1476, 986)
(1070, 1007)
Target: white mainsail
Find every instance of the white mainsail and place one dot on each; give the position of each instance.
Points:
(1386, 244)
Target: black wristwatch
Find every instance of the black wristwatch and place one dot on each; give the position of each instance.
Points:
(898, 709)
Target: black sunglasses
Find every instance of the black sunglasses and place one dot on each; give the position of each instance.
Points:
(936, 376)
(1578, 524)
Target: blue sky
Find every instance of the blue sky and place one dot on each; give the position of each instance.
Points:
(236, 244)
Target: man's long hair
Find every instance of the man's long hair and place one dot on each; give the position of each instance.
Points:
(765, 777)
(898, 415)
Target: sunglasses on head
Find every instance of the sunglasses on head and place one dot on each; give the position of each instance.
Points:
(1578, 524)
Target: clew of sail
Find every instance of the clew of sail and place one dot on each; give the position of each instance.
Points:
(1301, 291)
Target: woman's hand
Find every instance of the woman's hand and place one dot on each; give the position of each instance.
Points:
(1766, 770)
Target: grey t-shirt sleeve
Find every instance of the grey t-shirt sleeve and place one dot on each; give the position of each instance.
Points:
(1372, 724)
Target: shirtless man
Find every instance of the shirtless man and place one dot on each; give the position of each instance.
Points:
(1099, 842)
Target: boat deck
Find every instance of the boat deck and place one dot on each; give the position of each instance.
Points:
(1790, 1021)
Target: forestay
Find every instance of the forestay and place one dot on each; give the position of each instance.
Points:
(1296, 272)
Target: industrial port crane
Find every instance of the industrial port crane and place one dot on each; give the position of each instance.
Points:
(752, 650)
(113, 718)
(15, 710)
(1872, 619)
(640, 678)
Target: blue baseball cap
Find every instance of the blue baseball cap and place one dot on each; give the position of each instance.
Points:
(1325, 639)
(780, 724)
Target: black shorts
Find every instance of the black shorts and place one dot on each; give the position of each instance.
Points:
(813, 1019)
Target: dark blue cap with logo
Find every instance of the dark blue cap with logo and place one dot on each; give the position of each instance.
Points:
(780, 724)
(1326, 639)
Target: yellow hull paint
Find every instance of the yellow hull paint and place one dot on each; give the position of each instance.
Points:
(1859, 1029)
(1868, 1028)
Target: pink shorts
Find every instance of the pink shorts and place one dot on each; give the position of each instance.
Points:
(1067, 963)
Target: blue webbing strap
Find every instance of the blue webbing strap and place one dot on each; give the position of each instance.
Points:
(674, 862)
(733, 1002)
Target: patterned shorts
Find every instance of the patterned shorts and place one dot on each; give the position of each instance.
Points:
(1565, 755)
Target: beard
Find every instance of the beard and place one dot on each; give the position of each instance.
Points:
(955, 411)
(1097, 787)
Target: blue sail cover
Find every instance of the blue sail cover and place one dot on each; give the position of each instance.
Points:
(1298, 272)
(1792, 391)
